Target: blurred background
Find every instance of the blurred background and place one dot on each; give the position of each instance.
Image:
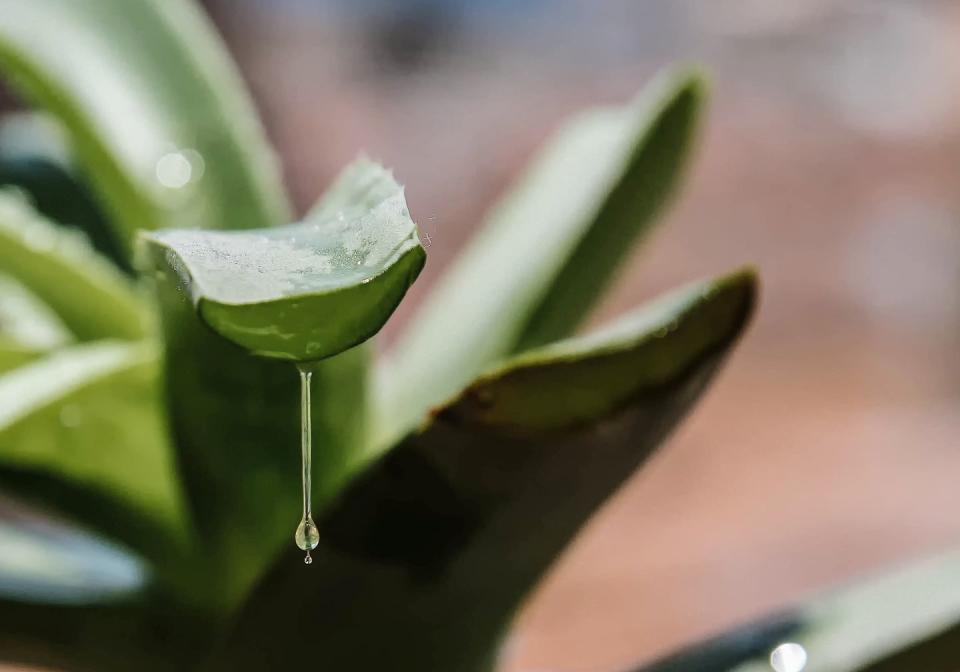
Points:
(831, 444)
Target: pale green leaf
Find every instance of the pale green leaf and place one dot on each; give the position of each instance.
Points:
(547, 251)
(155, 109)
(87, 293)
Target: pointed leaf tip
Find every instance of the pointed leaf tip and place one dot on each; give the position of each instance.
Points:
(639, 353)
(549, 248)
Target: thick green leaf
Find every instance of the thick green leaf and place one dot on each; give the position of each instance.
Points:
(80, 431)
(91, 297)
(427, 553)
(305, 291)
(155, 109)
(314, 289)
(903, 621)
(548, 250)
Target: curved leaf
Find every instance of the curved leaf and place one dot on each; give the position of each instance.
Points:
(305, 291)
(86, 417)
(548, 250)
(91, 297)
(137, 83)
(235, 416)
(434, 546)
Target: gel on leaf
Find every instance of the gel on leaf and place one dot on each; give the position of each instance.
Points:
(309, 290)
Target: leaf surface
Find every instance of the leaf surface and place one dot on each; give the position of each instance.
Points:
(547, 250)
(434, 545)
(305, 291)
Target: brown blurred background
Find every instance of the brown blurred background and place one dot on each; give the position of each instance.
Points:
(831, 444)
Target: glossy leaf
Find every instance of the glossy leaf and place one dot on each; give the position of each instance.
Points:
(305, 291)
(155, 109)
(314, 289)
(548, 249)
(434, 546)
(91, 297)
(81, 432)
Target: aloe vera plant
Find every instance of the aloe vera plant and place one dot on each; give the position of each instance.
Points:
(156, 416)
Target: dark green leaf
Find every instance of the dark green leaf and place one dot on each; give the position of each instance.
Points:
(433, 546)
(155, 110)
(548, 251)
(91, 297)
(305, 291)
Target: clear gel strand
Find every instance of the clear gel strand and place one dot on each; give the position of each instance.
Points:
(307, 535)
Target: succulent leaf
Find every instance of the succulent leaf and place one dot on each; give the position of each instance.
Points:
(547, 251)
(154, 108)
(434, 545)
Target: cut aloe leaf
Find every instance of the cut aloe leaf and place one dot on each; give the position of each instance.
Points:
(304, 291)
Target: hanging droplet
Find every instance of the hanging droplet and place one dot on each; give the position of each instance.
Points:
(307, 535)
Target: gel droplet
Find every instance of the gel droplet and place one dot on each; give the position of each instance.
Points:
(788, 657)
(307, 535)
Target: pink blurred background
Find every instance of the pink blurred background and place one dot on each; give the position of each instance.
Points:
(831, 444)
